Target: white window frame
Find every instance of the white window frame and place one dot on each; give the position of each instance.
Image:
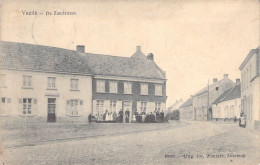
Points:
(2, 80)
(158, 90)
(74, 84)
(127, 88)
(74, 107)
(113, 105)
(143, 107)
(27, 106)
(100, 86)
(113, 86)
(144, 89)
(27, 81)
(158, 106)
(100, 107)
(51, 84)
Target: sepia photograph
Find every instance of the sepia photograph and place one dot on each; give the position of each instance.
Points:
(129, 82)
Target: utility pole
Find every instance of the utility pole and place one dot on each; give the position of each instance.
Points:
(208, 102)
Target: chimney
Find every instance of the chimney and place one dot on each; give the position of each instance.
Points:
(215, 80)
(237, 80)
(150, 56)
(225, 76)
(138, 48)
(80, 48)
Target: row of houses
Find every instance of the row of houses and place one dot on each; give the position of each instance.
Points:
(226, 100)
(48, 84)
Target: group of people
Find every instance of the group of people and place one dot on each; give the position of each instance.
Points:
(110, 116)
(149, 118)
(141, 118)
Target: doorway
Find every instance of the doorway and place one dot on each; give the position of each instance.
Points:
(51, 110)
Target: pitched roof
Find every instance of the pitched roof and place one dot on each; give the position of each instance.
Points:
(176, 105)
(222, 82)
(187, 103)
(248, 57)
(21, 56)
(229, 94)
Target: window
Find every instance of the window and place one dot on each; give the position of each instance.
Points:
(100, 86)
(52, 82)
(27, 106)
(2, 80)
(127, 88)
(113, 86)
(158, 107)
(158, 90)
(227, 111)
(144, 89)
(100, 107)
(27, 81)
(112, 106)
(74, 84)
(231, 111)
(143, 107)
(74, 107)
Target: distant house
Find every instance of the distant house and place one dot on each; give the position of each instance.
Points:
(203, 99)
(250, 88)
(175, 106)
(186, 111)
(228, 105)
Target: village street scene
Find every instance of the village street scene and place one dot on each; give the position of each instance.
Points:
(138, 87)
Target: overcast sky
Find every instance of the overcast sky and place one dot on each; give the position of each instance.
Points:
(192, 41)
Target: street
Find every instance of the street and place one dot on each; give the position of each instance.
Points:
(190, 142)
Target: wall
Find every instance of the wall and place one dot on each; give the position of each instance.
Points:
(39, 91)
(221, 106)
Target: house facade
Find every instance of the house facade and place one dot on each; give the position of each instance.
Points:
(43, 84)
(48, 84)
(186, 111)
(250, 88)
(228, 105)
(203, 99)
(134, 84)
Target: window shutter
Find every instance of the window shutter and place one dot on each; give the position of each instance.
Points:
(9, 100)
(35, 101)
(20, 101)
(81, 102)
(68, 102)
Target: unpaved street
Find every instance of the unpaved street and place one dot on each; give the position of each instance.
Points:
(195, 142)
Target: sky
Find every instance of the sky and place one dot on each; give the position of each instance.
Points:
(192, 41)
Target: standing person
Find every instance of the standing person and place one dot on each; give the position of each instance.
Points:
(106, 116)
(162, 115)
(127, 113)
(114, 116)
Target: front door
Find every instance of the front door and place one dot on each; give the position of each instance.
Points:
(51, 110)
(127, 111)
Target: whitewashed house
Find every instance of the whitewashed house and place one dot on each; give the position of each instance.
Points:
(228, 105)
(250, 88)
(43, 84)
